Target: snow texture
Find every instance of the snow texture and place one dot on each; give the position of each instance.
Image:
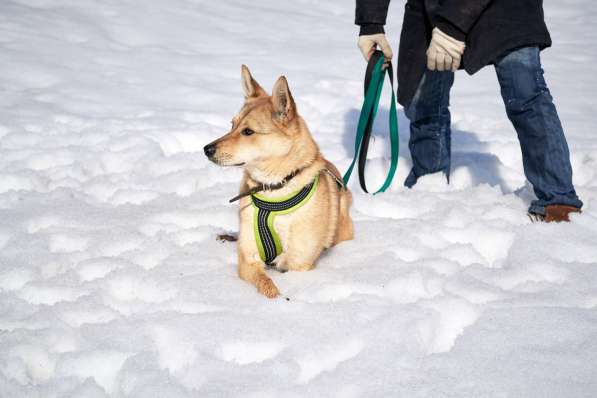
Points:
(112, 283)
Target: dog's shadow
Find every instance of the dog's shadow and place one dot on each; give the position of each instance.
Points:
(467, 150)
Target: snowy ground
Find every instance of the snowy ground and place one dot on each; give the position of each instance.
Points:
(112, 282)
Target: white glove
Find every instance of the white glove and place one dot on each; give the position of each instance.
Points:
(368, 44)
(444, 52)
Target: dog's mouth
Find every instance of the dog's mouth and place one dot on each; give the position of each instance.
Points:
(223, 159)
(222, 162)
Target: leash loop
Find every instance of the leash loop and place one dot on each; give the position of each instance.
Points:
(374, 79)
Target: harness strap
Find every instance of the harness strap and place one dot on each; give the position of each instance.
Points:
(338, 179)
(374, 79)
(268, 241)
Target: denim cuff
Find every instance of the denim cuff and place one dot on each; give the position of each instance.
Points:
(537, 209)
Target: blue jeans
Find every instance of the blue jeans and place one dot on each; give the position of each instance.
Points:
(530, 108)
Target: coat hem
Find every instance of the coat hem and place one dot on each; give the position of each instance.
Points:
(475, 65)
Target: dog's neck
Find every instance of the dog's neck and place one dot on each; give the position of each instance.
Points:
(272, 171)
(278, 184)
(276, 175)
(275, 183)
(283, 180)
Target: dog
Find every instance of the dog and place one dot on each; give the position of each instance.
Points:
(293, 202)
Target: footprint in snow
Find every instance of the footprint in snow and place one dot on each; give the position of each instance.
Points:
(326, 359)
(243, 353)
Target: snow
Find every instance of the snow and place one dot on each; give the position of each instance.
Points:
(112, 283)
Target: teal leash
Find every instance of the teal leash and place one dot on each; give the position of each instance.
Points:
(374, 80)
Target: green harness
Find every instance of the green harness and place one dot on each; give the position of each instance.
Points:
(266, 209)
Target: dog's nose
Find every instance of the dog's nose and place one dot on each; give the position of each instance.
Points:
(209, 150)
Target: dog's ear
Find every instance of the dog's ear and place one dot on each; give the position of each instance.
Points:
(284, 107)
(251, 88)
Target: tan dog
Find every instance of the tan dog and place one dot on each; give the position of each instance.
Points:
(283, 167)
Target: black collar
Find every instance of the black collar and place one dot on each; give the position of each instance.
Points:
(270, 187)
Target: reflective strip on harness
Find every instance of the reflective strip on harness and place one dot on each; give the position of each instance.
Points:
(266, 209)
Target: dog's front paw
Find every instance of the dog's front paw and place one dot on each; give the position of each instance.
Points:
(266, 287)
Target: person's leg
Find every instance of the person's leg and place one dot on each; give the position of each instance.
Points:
(429, 117)
(530, 107)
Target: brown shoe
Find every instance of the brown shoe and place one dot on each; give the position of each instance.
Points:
(554, 213)
(559, 213)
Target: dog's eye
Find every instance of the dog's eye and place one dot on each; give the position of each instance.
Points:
(247, 132)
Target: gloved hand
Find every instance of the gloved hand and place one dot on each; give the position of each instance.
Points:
(368, 43)
(444, 52)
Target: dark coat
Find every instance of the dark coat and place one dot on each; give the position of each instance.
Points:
(490, 28)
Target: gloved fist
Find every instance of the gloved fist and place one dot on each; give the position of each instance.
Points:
(368, 43)
(444, 52)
